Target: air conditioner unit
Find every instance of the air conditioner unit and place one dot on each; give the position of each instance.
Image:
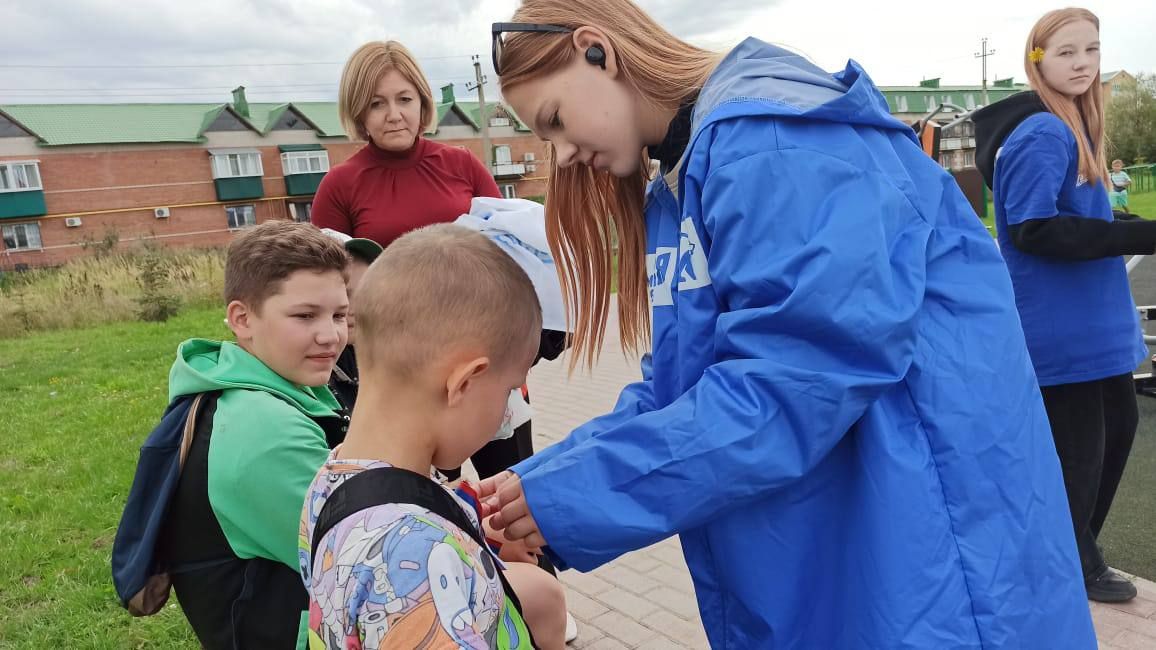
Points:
(161, 213)
(72, 222)
(531, 168)
(499, 121)
(529, 157)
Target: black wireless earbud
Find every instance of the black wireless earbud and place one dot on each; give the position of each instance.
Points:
(595, 55)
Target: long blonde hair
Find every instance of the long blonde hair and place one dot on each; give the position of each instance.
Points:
(588, 211)
(365, 68)
(1085, 114)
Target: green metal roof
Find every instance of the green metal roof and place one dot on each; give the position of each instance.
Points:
(916, 99)
(443, 109)
(71, 124)
(323, 116)
(472, 110)
(263, 117)
(76, 124)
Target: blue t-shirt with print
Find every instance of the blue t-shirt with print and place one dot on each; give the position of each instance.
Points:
(1079, 316)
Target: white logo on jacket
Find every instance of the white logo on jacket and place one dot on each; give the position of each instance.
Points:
(687, 262)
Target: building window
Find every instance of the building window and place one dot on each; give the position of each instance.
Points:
(509, 192)
(502, 155)
(22, 237)
(241, 216)
(305, 162)
(20, 176)
(236, 164)
(301, 211)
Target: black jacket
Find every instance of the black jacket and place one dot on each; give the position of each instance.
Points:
(344, 380)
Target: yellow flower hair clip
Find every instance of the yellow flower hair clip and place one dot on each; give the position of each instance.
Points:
(1036, 55)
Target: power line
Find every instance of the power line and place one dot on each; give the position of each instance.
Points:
(164, 89)
(150, 88)
(42, 66)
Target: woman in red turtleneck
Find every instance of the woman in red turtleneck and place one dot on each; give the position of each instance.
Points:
(399, 181)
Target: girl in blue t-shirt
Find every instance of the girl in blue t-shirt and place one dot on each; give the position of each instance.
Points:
(1064, 251)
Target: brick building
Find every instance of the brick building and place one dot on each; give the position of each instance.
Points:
(957, 145)
(193, 174)
(1115, 82)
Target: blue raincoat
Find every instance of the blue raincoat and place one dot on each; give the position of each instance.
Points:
(839, 417)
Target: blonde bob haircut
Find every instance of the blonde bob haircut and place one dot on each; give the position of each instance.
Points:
(364, 71)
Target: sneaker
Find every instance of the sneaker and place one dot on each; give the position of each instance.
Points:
(1110, 587)
(571, 628)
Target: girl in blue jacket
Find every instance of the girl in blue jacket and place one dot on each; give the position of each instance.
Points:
(1043, 153)
(838, 414)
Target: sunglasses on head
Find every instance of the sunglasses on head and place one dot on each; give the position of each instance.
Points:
(500, 29)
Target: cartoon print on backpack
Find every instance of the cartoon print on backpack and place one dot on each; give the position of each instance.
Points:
(427, 610)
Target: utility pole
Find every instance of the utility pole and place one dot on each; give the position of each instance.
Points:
(479, 86)
(982, 54)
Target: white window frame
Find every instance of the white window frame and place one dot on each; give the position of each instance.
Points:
(230, 210)
(509, 191)
(7, 228)
(237, 163)
(295, 211)
(14, 172)
(509, 157)
(305, 162)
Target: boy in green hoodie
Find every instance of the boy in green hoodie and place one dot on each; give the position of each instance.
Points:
(261, 441)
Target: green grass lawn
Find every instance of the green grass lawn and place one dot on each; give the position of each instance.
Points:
(75, 407)
(1141, 204)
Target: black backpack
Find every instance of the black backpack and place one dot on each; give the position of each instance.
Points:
(140, 576)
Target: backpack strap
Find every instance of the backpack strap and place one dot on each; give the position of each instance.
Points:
(190, 430)
(384, 485)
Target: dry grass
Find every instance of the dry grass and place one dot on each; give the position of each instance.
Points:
(104, 289)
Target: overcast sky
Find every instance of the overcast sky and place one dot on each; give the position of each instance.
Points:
(54, 51)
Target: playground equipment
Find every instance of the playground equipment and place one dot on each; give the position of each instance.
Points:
(1145, 381)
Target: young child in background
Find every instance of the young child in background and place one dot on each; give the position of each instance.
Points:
(1121, 181)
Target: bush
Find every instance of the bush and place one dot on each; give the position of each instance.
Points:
(157, 305)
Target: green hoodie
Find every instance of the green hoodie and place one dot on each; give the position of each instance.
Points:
(265, 449)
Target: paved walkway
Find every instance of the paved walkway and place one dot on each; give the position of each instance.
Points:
(645, 599)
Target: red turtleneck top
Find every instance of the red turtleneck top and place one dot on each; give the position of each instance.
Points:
(381, 195)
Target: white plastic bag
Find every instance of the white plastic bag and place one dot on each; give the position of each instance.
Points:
(518, 226)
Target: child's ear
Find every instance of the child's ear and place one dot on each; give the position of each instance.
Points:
(238, 316)
(462, 377)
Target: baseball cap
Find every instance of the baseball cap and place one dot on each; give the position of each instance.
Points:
(363, 249)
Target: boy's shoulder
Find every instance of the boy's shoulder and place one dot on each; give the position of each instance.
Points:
(258, 408)
(252, 428)
(379, 519)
